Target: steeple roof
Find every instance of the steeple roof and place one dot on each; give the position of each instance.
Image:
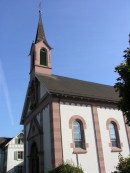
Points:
(40, 35)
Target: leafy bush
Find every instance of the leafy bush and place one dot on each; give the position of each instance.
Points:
(66, 168)
(123, 85)
(124, 164)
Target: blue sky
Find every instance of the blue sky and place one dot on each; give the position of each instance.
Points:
(88, 37)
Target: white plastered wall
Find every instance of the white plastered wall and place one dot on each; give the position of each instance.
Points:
(11, 162)
(43, 90)
(87, 161)
(111, 158)
(46, 139)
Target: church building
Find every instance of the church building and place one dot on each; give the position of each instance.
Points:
(69, 120)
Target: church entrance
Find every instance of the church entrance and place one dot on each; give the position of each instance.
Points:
(34, 159)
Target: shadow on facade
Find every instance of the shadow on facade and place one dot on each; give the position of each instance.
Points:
(17, 169)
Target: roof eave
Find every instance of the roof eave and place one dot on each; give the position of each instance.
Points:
(82, 97)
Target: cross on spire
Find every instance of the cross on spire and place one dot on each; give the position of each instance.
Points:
(40, 7)
(40, 35)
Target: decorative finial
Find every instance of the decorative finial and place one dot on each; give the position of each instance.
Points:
(40, 7)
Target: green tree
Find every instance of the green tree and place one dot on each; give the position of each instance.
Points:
(66, 168)
(123, 165)
(123, 85)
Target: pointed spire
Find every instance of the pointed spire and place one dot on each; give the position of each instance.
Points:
(40, 36)
(40, 31)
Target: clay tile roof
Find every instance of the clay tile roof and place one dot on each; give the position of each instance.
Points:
(4, 141)
(73, 87)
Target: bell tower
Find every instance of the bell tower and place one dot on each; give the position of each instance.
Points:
(40, 53)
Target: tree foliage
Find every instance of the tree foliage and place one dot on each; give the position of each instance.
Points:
(123, 85)
(123, 165)
(66, 168)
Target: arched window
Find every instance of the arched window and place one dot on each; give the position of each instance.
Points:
(113, 127)
(78, 136)
(43, 57)
(114, 135)
(78, 126)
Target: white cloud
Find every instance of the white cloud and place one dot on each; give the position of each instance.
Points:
(5, 91)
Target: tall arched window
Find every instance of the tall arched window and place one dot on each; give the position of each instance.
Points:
(113, 127)
(114, 135)
(78, 136)
(43, 57)
(78, 126)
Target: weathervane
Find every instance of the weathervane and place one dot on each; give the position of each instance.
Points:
(40, 7)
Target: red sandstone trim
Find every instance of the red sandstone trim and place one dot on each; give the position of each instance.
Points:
(112, 120)
(79, 151)
(98, 140)
(56, 141)
(83, 127)
(114, 149)
(76, 117)
(127, 130)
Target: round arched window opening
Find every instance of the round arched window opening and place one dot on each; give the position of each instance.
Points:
(43, 57)
(78, 136)
(114, 136)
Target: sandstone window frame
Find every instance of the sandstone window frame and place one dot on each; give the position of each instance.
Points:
(83, 149)
(118, 147)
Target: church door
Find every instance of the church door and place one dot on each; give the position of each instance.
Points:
(34, 165)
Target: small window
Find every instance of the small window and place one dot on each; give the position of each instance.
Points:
(114, 135)
(43, 58)
(18, 155)
(18, 140)
(77, 134)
